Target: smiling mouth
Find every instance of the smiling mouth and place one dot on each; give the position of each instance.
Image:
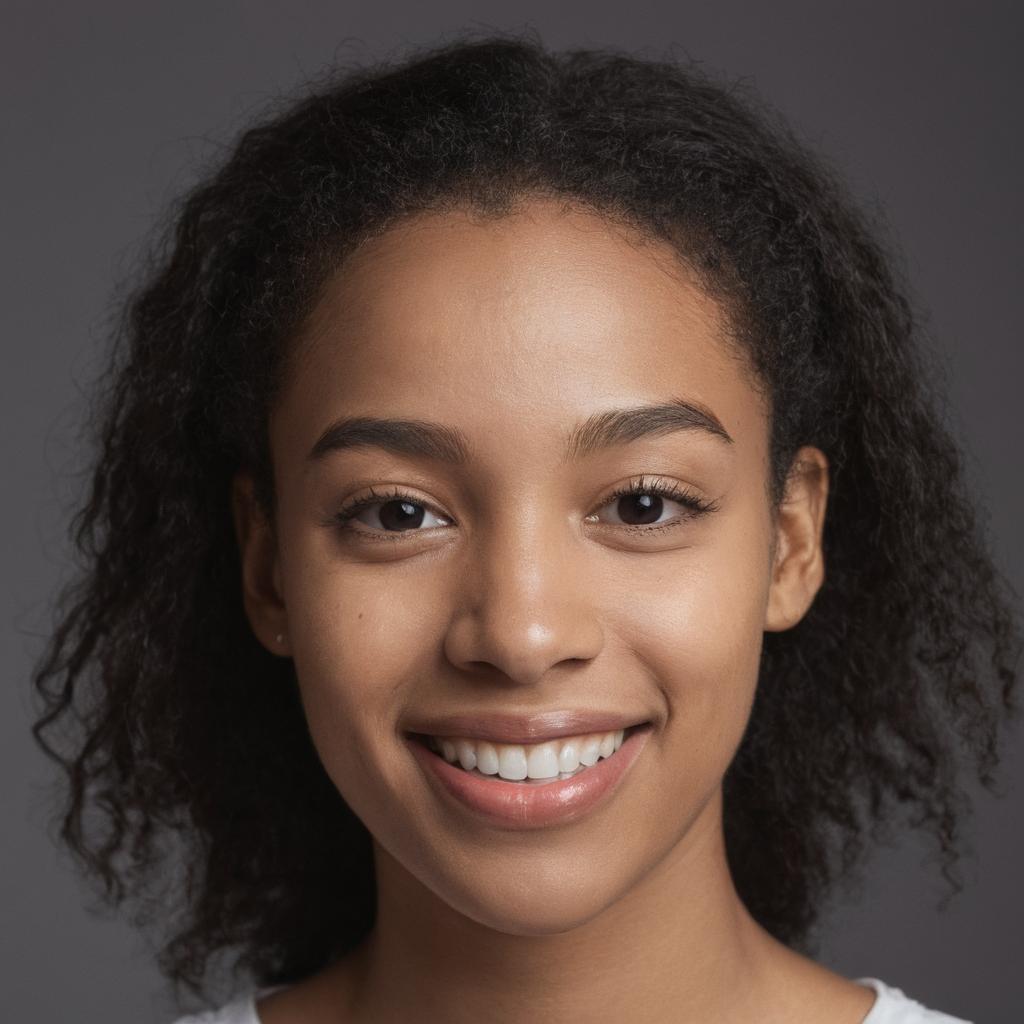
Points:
(531, 787)
(534, 764)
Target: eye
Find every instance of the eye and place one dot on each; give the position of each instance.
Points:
(394, 512)
(641, 503)
(639, 506)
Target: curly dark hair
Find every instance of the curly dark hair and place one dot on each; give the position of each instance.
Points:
(183, 740)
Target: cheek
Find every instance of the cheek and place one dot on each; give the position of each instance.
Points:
(699, 630)
(359, 649)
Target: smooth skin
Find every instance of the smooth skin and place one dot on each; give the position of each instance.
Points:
(524, 588)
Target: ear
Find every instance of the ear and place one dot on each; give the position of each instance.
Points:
(798, 564)
(261, 575)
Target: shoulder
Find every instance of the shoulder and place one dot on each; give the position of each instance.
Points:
(893, 1006)
(241, 1010)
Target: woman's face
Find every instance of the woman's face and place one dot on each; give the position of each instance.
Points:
(511, 582)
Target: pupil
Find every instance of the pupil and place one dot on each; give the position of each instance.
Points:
(408, 516)
(642, 509)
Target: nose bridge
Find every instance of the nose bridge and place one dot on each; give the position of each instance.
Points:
(522, 609)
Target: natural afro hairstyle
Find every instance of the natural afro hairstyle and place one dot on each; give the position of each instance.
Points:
(191, 779)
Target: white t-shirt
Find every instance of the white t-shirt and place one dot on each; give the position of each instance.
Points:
(891, 1007)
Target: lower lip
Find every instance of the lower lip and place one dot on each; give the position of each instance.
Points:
(524, 806)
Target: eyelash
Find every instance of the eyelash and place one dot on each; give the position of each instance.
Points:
(664, 489)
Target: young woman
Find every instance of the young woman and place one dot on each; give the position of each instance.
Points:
(523, 562)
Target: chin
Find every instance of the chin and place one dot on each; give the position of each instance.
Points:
(535, 901)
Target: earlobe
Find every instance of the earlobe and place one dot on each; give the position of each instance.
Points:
(798, 568)
(262, 594)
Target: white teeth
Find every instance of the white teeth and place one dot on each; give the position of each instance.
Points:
(591, 752)
(520, 762)
(569, 756)
(512, 763)
(467, 754)
(542, 762)
(486, 758)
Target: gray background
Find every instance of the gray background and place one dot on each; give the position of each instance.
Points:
(111, 108)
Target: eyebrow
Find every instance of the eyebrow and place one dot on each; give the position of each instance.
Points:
(441, 443)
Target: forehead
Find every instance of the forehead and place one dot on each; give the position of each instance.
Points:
(515, 324)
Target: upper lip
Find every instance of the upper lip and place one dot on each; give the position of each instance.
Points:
(501, 727)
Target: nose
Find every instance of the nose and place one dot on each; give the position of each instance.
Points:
(522, 606)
